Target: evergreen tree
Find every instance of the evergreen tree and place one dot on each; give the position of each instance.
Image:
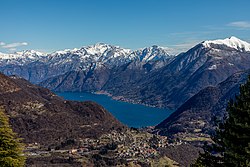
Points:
(232, 142)
(10, 146)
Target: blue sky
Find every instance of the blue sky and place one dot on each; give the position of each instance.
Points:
(49, 25)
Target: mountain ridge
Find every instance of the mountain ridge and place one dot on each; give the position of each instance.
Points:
(184, 76)
(40, 116)
(165, 82)
(198, 116)
(232, 42)
(95, 49)
(39, 68)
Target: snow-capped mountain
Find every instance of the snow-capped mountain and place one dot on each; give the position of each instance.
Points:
(231, 42)
(21, 58)
(94, 67)
(229, 49)
(97, 55)
(206, 64)
(30, 54)
(150, 74)
(103, 54)
(85, 58)
(152, 53)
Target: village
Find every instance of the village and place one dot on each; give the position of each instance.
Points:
(132, 145)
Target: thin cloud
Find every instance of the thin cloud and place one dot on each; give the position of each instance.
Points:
(2, 43)
(183, 47)
(12, 49)
(240, 24)
(14, 45)
(188, 33)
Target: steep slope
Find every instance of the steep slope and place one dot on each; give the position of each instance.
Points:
(197, 116)
(187, 74)
(73, 81)
(40, 116)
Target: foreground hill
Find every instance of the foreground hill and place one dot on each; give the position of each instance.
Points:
(39, 116)
(196, 119)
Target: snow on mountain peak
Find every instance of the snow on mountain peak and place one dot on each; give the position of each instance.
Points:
(98, 48)
(152, 53)
(99, 54)
(231, 42)
(26, 54)
(102, 48)
(30, 53)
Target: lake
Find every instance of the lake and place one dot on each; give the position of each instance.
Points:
(133, 115)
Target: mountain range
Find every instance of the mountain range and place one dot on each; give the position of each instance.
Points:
(188, 73)
(148, 76)
(37, 67)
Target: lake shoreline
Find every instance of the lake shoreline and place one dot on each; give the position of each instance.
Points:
(123, 99)
(131, 114)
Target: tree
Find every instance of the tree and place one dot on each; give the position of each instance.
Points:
(231, 145)
(10, 146)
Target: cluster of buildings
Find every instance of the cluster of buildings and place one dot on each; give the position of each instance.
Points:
(129, 145)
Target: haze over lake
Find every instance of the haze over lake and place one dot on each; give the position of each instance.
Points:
(133, 115)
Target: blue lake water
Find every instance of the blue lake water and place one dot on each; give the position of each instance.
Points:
(133, 115)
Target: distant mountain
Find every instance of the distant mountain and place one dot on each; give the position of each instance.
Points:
(153, 53)
(198, 116)
(20, 58)
(37, 67)
(102, 76)
(40, 116)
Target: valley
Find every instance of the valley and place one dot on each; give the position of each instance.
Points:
(124, 83)
(153, 104)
